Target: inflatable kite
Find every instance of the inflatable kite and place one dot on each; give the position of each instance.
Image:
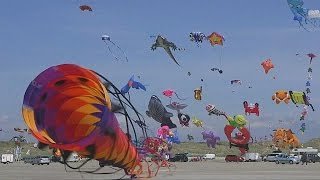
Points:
(303, 127)
(217, 69)
(166, 45)
(173, 137)
(190, 137)
(216, 38)
(211, 138)
(251, 108)
(68, 108)
(311, 56)
(198, 93)
(132, 84)
(85, 8)
(163, 132)
(281, 95)
(284, 138)
(113, 48)
(298, 97)
(197, 37)
(159, 113)
(267, 65)
(235, 81)
(197, 122)
(169, 93)
(184, 119)
(176, 106)
(211, 109)
(242, 139)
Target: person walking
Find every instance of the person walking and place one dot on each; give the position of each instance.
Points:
(304, 158)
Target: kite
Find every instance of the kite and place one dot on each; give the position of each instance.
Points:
(211, 138)
(281, 95)
(304, 113)
(267, 65)
(85, 8)
(132, 84)
(190, 137)
(211, 109)
(284, 138)
(184, 119)
(107, 40)
(173, 137)
(163, 132)
(176, 106)
(302, 15)
(303, 127)
(197, 122)
(311, 56)
(197, 37)
(216, 38)
(159, 113)
(67, 107)
(198, 93)
(217, 69)
(242, 139)
(251, 108)
(169, 93)
(236, 81)
(166, 45)
(299, 97)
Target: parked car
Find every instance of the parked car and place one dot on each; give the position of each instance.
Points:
(40, 160)
(234, 158)
(271, 157)
(312, 158)
(209, 156)
(7, 158)
(179, 158)
(285, 159)
(252, 157)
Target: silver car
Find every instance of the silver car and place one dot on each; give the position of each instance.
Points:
(285, 159)
(271, 157)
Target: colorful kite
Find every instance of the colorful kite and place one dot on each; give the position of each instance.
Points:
(198, 93)
(169, 93)
(311, 56)
(85, 8)
(211, 138)
(216, 38)
(132, 84)
(68, 108)
(281, 95)
(299, 97)
(267, 65)
(251, 108)
(197, 37)
(197, 122)
(184, 119)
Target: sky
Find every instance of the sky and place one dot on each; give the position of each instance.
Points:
(36, 35)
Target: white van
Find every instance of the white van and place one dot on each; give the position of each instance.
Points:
(6, 158)
(209, 156)
(252, 157)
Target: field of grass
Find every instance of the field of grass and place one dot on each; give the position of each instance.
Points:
(194, 148)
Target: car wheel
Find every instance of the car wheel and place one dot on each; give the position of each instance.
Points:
(291, 162)
(310, 161)
(32, 164)
(277, 162)
(264, 160)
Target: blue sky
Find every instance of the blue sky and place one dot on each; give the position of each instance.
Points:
(35, 35)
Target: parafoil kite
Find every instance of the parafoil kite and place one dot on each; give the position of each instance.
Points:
(211, 138)
(281, 95)
(68, 108)
(242, 139)
(132, 84)
(113, 48)
(159, 113)
(216, 38)
(251, 108)
(267, 65)
(166, 45)
(85, 8)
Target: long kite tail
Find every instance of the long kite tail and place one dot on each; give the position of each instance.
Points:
(125, 55)
(179, 97)
(112, 53)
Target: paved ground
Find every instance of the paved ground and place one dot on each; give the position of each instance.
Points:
(216, 169)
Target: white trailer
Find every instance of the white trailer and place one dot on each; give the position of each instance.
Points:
(252, 157)
(209, 156)
(6, 158)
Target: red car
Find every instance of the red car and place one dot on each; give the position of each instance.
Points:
(233, 158)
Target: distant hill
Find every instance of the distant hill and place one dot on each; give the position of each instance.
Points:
(221, 149)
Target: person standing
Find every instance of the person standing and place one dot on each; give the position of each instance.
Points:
(304, 158)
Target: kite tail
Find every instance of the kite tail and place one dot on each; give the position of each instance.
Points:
(182, 99)
(120, 50)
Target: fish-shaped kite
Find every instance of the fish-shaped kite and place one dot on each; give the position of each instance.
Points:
(132, 84)
(166, 45)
